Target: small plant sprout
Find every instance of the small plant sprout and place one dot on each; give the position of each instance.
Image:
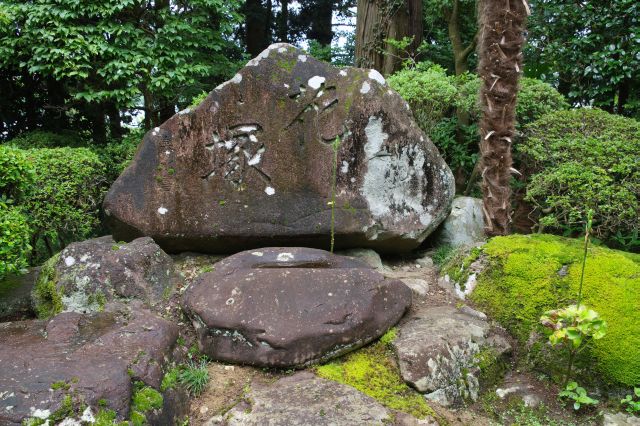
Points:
(574, 327)
(335, 146)
(194, 377)
(578, 395)
(632, 402)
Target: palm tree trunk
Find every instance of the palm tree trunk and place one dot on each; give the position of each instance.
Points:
(501, 26)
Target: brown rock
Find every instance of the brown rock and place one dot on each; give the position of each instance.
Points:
(92, 357)
(88, 274)
(251, 166)
(291, 306)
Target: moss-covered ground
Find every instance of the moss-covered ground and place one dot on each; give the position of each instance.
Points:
(374, 372)
(528, 275)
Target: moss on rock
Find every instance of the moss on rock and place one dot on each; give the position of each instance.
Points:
(374, 372)
(47, 300)
(527, 275)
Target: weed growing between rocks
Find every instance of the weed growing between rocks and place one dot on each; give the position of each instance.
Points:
(574, 327)
(374, 372)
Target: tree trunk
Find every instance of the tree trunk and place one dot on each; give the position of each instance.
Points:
(283, 25)
(502, 25)
(378, 20)
(115, 122)
(321, 29)
(460, 52)
(255, 27)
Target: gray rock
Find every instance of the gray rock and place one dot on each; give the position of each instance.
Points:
(620, 419)
(304, 399)
(439, 350)
(425, 262)
(15, 295)
(418, 285)
(252, 165)
(464, 225)
(86, 275)
(291, 306)
(367, 255)
(93, 357)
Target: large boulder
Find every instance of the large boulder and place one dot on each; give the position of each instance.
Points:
(86, 275)
(291, 306)
(15, 295)
(93, 359)
(253, 164)
(444, 352)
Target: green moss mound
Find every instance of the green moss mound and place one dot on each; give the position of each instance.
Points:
(529, 274)
(47, 299)
(373, 371)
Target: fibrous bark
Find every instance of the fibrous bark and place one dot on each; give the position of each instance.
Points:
(379, 20)
(502, 25)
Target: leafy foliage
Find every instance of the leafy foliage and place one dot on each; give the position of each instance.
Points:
(584, 159)
(590, 49)
(64, 202)
(578, 394)
(16, 173)
(15, 236)
(573, 325)
(632, 402)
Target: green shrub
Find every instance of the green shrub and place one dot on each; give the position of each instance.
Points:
(584, 159)
(64, 202)
(16, 173)
(117, 154)
(526, 276)
(535, 99)
(40, 139)
(430, 93)
(14, 240)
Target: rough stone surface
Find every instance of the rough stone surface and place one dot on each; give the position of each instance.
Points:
(92, 357)
(464, 225)
(304, 399)
(15, 295)
(252, 165)
(88, 274)
(291, 306)
(620, 419)
(440, 350)
(370, 257)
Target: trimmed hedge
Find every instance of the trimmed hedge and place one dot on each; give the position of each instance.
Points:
(15, 235)
(64, 201)
(585, 159)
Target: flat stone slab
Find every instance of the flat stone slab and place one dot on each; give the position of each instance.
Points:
(285, 307)
(440, 350)
(253, 164)
(304, 399)
(92, 357)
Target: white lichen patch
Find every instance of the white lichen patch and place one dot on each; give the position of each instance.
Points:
(269, 190)
(389, 184)
(366, 87)
(344, 168)
(375, 75)
(257, 253)
(263, 55)
(302, 58)
(284, 257)
(87, 416)
(162, 210)
(69, 261)
(236, 78)
(316, 81)
(184, 111)
(39, 413)
(342, 73)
